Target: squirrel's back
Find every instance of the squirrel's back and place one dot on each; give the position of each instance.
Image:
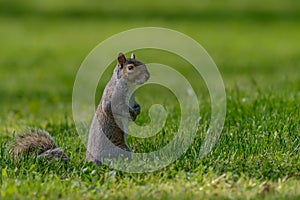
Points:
(37, 142)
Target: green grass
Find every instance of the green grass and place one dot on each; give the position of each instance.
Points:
(254, 45)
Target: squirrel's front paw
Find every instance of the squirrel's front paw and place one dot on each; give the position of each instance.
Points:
(137, 109)
(134, 111)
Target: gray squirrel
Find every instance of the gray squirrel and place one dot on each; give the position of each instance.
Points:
(107, 135)
(108, 130)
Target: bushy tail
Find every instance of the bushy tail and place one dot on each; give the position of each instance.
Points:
(40, 143)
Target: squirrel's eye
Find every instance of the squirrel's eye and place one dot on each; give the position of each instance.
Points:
(130, 67)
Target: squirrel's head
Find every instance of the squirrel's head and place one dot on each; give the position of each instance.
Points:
(132, 70)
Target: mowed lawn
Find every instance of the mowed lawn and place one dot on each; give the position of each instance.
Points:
(256, 48)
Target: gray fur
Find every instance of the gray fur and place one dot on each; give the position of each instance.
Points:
(39, 143)
(108, 130)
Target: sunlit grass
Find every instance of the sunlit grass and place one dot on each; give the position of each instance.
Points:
(257, 155)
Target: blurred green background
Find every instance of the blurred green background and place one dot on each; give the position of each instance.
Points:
(255, 44)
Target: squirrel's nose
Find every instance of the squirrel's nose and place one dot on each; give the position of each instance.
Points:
(147, 75)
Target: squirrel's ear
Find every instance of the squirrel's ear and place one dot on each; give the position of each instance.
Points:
(121, 59)
(132, 56)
